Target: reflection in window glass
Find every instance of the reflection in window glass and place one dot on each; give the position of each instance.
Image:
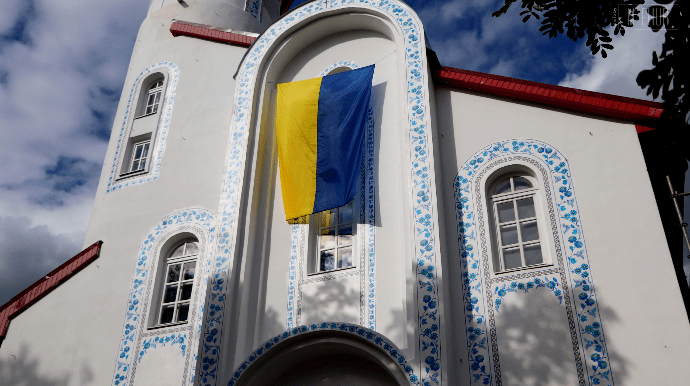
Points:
(335, 238)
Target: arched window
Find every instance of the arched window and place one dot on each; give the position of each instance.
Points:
(153, 97)
(517, 229)
(178, 283)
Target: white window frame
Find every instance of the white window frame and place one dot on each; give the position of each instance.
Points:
(153, 97)
(182, 261)
(317, 225)
(493, 200)
(143, 157)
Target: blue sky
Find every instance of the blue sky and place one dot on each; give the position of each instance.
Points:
(62, 69)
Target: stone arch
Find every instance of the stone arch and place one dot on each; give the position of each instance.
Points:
(280, 359)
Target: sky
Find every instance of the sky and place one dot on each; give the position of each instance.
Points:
(62, 69)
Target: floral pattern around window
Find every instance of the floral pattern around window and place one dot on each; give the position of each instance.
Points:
(178, 285)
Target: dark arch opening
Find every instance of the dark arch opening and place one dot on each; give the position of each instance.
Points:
(324, 358)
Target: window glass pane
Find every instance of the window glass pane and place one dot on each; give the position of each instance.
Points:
(142, 164)
(167, 314)
(345, 235)
(345, 213)
(173, 273)
(170, 294)
(135, 166)
(509, 234)
(521, 183)
(145, 151)
(178, 251)
(328, 241)
(503, 187)
(189, 270)
(511, 258)
(192, 249)
(345, 257)
(327, 260)
(182, 312)
(137, 151)
(526, 208)
(533, 255)
(158, 97)
(186, 292)
(529, 231)
(505, 212)
(151, 100)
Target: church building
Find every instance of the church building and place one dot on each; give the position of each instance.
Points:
(502, 231)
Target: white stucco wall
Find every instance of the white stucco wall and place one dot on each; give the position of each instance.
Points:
(630, 263)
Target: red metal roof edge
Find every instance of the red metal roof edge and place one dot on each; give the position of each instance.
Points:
(587, 102)
(181, 28)
(46, 284)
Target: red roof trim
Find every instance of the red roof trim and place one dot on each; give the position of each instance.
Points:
(571, 99)
(182, 28)
(46, 284)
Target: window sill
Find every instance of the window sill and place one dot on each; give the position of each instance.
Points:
(160, 326)
(316, 274)
(522, 269)
(131, 174)
(146, 115)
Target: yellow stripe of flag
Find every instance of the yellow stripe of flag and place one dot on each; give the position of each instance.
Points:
(296, 130)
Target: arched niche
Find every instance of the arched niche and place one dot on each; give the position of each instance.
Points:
(362, 36)
(323, 358)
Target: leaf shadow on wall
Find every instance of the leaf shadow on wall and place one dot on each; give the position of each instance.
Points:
(535, 346)
(24, 369)
(330, 301)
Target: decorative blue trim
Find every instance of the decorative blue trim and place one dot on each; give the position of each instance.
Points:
(254, 8)
(361, 332)
(417, 127)
(172, 76)
(134, 332)
(345, 63)
(477, 296)
(173, 339)
(525, 286)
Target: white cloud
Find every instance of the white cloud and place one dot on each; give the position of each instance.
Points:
(616, 74)
(62, 67)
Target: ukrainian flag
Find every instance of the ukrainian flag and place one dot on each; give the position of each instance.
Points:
(321, 124)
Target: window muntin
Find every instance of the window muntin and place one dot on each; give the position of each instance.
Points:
(178, 283)
(516, 220)
(153, 97)
(335, 244)
(140, 154)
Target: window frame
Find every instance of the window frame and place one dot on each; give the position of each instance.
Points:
(145, 157)
(156, 89)
(536, 192)
(314, 266)
(161, 282)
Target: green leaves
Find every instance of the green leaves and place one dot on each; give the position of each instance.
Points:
(590, 19)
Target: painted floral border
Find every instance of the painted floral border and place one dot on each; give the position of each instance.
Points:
(161, 133)
(173, 339)
(589, 327)
(361, 332)
(418, 129)
(136, 310)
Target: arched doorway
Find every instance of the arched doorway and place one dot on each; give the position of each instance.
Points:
(322, 358)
